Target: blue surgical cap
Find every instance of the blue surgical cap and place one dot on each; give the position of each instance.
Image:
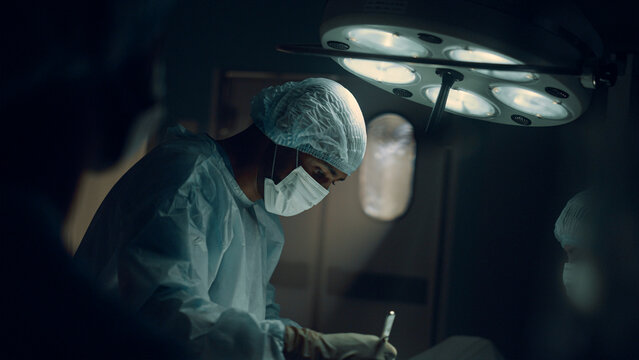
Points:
(316, 116)
(574, 226)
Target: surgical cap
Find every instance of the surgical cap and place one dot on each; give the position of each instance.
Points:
(574, 226)
(316, 116)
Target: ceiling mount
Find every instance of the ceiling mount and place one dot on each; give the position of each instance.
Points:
(449, 77)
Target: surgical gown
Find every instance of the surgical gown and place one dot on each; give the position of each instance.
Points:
(179, 241)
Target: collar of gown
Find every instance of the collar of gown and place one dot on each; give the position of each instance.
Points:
(227, 171)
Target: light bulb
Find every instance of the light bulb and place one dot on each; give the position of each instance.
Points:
(491, 57)
(384, 71)
(530, 102)
(463, 102)
(386, 42)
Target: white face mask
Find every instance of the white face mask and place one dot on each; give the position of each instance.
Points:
(583, 285)
(296, 193)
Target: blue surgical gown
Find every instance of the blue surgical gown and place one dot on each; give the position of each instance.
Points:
(178, 240)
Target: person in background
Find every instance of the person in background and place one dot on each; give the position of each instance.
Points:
(582, 273)
(190, 236)
(76, 79)
(598, 230)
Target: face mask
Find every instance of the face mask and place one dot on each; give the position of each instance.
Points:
(583, 285)
(296, 193)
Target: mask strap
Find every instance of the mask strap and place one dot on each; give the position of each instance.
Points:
(273, 167)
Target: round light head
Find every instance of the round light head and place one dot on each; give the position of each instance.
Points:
(386, 42)
(383, 71)
(490, 57)
(530, 102)
(463, 102)
(412, 30)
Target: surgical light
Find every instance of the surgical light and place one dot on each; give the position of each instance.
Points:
(386, 42)
(530, 102)
(534, 68)
(383, 71)
(490, 57)
(463, 102)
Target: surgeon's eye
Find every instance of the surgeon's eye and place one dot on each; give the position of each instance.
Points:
(320, 175)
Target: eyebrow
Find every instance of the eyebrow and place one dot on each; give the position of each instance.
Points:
(331, 169)
(334, 172)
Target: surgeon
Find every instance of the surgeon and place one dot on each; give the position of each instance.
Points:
(582, 273)
(190, 236)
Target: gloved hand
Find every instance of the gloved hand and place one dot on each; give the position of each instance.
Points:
(301, 343)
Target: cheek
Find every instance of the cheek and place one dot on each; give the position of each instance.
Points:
(322, 180)
(325, 184)
(282, 171)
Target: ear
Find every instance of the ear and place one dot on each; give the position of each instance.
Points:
(284, 162)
